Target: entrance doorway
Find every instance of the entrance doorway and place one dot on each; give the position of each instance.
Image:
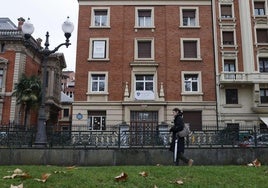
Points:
(143, 126)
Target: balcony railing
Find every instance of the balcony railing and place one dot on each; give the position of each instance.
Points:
(231, 77)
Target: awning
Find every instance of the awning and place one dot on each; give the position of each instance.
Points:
(265, 120)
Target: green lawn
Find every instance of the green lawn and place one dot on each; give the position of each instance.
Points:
(158, 176)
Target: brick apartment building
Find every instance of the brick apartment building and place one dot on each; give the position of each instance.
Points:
(137, 60)
(241, 43)
(15, 60)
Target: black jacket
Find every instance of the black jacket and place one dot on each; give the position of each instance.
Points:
(178, 126)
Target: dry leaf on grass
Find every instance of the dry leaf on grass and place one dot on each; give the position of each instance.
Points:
(143, 174)
(179, 182)
(122, 177)
(71, 167)
(155, 186)
(16, 186)
(17, 171)
(255, 163)
(43, 178)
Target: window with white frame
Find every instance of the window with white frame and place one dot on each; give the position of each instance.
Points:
(100, 17)
(98, 82)
(189, 17)
(191, 82)
(263, 64)
(99, 49)
(228, 38)
(190, 49)
(229, 66)
(226, 11)
(144, 87)
(144, 49)
(144, 17)
(144, 83)
(259, 8)
(264, 95)
(231, 96)
(262, 35)
(96, 120)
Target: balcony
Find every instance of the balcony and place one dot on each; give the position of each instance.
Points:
(243, 77)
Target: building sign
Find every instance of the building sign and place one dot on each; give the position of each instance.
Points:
(144, 95)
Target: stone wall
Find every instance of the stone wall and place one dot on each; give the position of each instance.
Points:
(111, 157)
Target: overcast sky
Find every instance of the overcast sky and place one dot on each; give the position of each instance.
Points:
(46, 15)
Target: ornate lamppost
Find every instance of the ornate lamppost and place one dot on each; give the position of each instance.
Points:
(28, 29)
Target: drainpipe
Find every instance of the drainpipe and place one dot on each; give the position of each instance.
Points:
(217, 90)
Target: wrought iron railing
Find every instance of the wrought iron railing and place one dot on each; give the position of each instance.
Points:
(118, 138)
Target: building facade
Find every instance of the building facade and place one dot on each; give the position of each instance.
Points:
(137, 60)
(241, 43)
(15, 60)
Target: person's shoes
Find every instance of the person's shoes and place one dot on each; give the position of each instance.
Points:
(190, 162)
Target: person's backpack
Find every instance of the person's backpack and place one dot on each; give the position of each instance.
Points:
(185, 132)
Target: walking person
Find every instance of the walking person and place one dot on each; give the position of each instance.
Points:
(179, 150)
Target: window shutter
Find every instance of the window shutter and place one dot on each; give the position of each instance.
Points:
(262, 36)
(259, 5)
(100, 12)
(228, 37)
(189, 13)
(226, 10)
(190, 49)
(144, 49)
(144, 13)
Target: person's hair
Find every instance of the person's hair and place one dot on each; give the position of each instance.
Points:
(177, 110)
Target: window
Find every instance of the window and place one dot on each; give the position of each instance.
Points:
(226, 11)
(262, 35)
(259, 8)
(263, 64)
(100, 17)
(228, 38)
(1, 78)
(66, 112)
(231, 96)
(264, 95)
(144, 83)
(144, 49)
(191, 82)
(229, 65)
(190, 49)
(98, 82)
(99, 49)
(97, 120)
(144, 17)
(189, 17)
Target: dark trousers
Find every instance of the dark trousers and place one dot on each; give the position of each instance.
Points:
(181, 156)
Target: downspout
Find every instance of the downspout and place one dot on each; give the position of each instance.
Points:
(214, 29)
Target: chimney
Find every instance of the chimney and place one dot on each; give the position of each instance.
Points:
(21, 20)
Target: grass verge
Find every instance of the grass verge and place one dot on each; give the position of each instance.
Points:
(158, 176)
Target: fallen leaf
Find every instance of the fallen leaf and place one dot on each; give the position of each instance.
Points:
(10, 177)
(18, 186)
(44, 178)
(17, 171)
(122, 177)
(155, 186)
(179, 182)
(71, 167)
(256, 163)
(143, 174)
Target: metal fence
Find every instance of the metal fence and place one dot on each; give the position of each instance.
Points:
(117, 137)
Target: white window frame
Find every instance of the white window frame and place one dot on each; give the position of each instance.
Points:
(196, 16)
(93, 9)
(144, 81)
(92, 48)
(234, 35)
(137, 40)
(137, 9)
(265, 8)
(90, 74)
(199, 82)
(232, 6)
(90, 122)
(264, 26)
(198, 58)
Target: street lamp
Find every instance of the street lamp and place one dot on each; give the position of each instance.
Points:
(28, 29)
